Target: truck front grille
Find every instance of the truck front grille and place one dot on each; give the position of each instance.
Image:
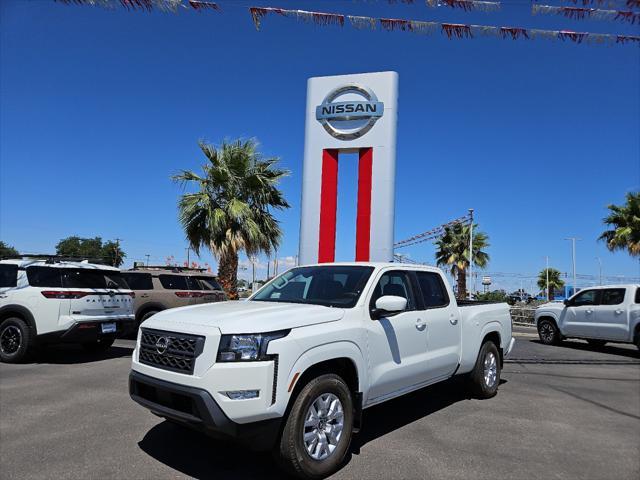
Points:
(169, 350)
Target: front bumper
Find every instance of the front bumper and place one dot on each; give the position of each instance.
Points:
(197, 409)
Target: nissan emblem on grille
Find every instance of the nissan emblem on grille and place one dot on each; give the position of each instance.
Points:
(169, 350)
(162, 344)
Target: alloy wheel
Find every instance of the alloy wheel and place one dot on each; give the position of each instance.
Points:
(323, 426)
(490, 370)
(10, 340)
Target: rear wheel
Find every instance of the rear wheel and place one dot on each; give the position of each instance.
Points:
(16, 340)
(148, 314)
(318, 430)
(485, 376)
(596, 343)
(99, 346)
(548, 332)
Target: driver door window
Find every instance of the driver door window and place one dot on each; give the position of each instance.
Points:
(393, 283)
(588, 297)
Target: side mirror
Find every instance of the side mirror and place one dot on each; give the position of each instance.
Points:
(567, 302)
(389, 304)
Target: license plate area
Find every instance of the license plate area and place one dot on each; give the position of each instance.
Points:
(108, 327)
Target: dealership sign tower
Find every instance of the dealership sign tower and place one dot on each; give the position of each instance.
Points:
(349, 114)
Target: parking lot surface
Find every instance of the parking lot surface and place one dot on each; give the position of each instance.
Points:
(565, 412)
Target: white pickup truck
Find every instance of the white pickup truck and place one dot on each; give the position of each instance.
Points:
(293, 367)
(598, 315)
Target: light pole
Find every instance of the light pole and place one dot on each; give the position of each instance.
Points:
(547, 272)
(573, 255)
(147, 255)
(470, 249)
(600, 264)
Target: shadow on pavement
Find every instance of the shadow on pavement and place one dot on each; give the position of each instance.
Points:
(199, 456)
(623, 350)
(397, 413)
(74, 354)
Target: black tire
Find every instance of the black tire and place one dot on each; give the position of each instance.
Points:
(16, 340)
(485, 376)
(148, 314)
(596, 343)
(291, 453)
(99, 346)
(548, 332)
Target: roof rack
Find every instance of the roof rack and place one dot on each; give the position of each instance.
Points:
(55, 258)
(173, 268)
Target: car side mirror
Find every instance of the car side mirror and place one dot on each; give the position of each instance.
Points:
(389, 304)
(567, 302)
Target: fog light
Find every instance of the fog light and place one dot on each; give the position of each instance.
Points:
(242, 394)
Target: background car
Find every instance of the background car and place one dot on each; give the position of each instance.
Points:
(158, 288)
(53, 300)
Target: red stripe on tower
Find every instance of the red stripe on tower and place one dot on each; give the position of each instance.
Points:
(328, 206)
(363, 219)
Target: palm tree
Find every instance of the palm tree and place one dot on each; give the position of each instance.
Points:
(453, 251)
(625, 220)
(555, 282)
(230, 211)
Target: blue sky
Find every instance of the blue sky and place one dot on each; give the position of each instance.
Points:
(99, 107)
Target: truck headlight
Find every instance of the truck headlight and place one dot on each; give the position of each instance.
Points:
(247, 348)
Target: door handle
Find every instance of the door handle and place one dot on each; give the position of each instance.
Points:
(144, 295)
(420, 325)
(589, 311)
(618, 311)
(453, 320)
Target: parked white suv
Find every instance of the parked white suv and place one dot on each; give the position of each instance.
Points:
(293, 367)
(45, 301)
(598, 315)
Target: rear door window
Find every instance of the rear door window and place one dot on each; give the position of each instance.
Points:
(8, 275)
(49, 277)
(209, 283)
(612, 296)
(179, 282)
(434, 293)
(89, 278)
(138, 281)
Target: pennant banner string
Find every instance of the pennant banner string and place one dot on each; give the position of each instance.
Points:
(580, 13)
(450, 30)
(602, 3)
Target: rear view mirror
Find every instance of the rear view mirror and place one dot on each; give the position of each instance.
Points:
(389, 304)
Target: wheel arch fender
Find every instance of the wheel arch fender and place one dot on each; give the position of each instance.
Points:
(539, 315)
(19, 311)
(337, 355)
(471, 350)
(148, 307)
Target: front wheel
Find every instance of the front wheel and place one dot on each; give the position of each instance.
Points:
(16, 340)
(485, 376)
(548, 332)
(318, 430)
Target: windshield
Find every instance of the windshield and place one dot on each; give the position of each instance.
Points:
(331, 286)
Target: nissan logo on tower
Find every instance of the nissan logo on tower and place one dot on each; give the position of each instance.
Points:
(353, 115)
(162, 344)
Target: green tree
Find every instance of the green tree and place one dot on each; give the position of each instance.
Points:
(7, 250)
(625, 220)
(230, 209)
(93, 249)
(494, 296)
(453, 252)
(555, 282)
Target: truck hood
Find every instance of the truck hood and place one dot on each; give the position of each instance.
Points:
(243, 317)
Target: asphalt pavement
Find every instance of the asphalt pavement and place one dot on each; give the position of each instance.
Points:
(565, 412)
